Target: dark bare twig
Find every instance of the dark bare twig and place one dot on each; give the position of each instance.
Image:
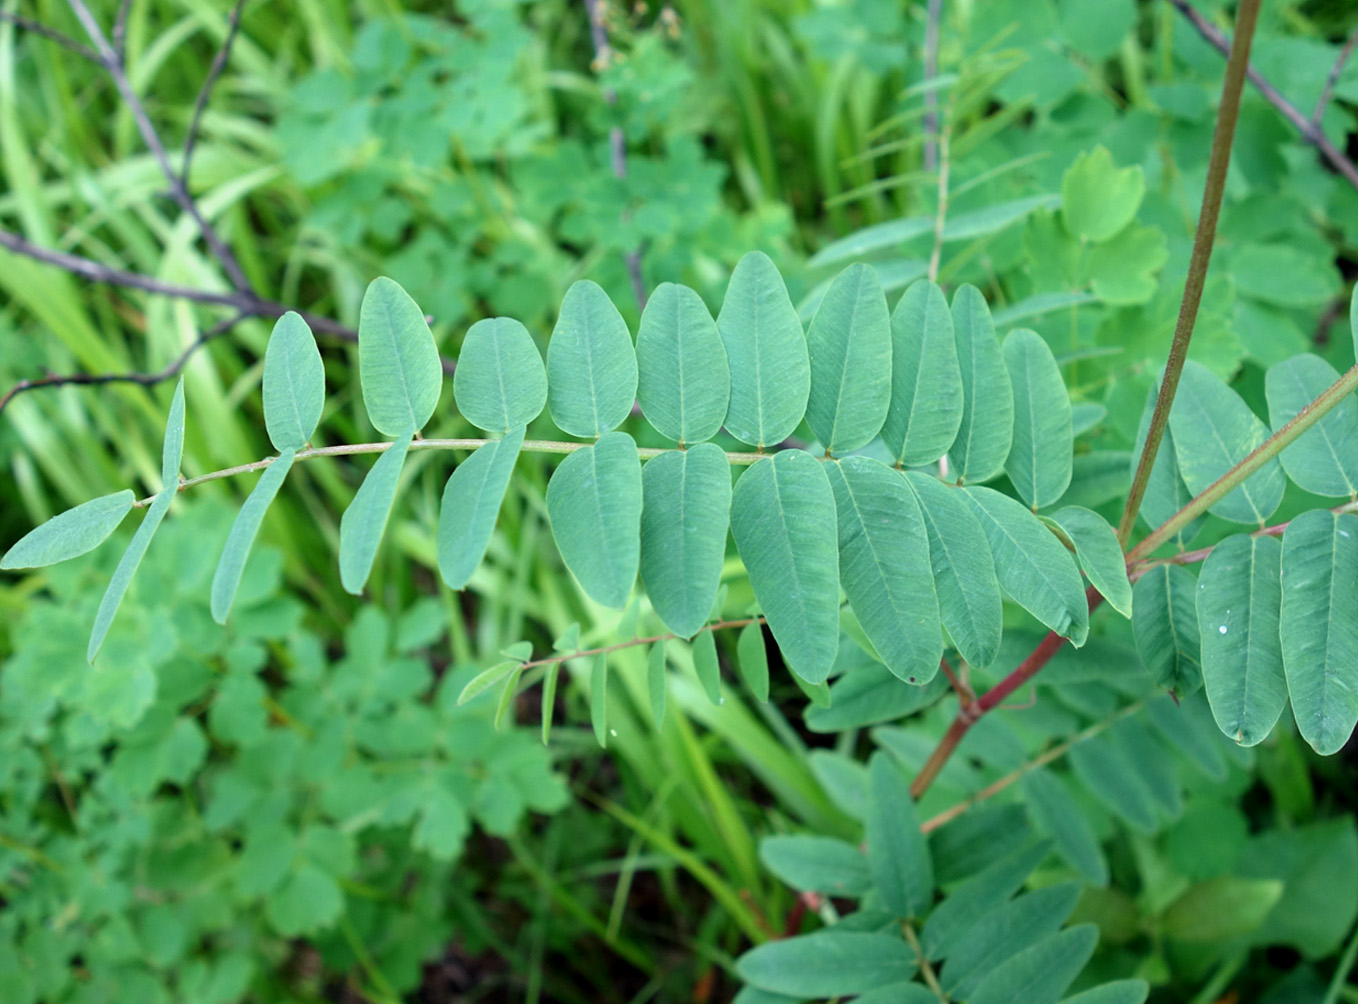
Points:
(51, 34)
(209, 82)
(1309, 130)
(617, 142)
(142, 379)
(1333, 78)
(112, 62)
(935, 11)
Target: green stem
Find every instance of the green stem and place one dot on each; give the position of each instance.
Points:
(1203, 238)
(1232, 479)
(1342, 970)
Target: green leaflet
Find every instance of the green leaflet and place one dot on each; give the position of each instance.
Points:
(828, 963)
(1035, 570)
(499, 383)
(294, 383)
(1166, 492)
(127, 567)
(471, 504)
(1319, 626)
(1055, 813)
(1165, 625)
(884, 566)
(1117, 992)
(686, 510)
(1213, 431)
(987, 427)
(594, 504)
(172, 451)
(707, 667)
(1004, 932)
(898, 856)
(817, 864)
(1100, 556)
(767, 354)
(1239, 597)
(1227, 906)
(964, 570)
(488, 678)
(1116, 781)
(598, 698)
(754, 660)
(926, 382)
(226, 579)
(684, 383)
(655, 683)
(849, 343)
(783, 520)
(71, 533)
(364, 522)
(398, 363)
(950, 922)
(1040, 974)
(1324, 458)
(1039, 462)
(591, 365)
(553, 672)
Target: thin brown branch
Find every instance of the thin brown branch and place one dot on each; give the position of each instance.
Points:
(1336, 70)
(213, 74)
(120, 28)
(1309, 130)
(51, 34)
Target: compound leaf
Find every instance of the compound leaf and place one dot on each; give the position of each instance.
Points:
(783, 520)
(1039, 462)
(500, 382)
(684, 382)
(364, 522)
(591, 365)
(1319, 626)
(71, 533)
(398, 363)
(926, 382)
(898, 856)
(686, 510)
(884, 566)
(594, 502)
(1165, 626)
(471, 504)
(766, 352)
(294, 383)
(1324, 458)
(1099, 554)
(1239, 598)
(226, 579)
(849, 342)
(1031, 564)
(987, 427)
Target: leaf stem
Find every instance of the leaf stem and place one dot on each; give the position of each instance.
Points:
(1236, 65)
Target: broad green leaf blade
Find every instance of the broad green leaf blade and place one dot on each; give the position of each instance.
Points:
(364, 522)
(398, 363)
(1213, 431)
(1166, 492)
(1324, 458)
(884, 566)
(71, 533)
(226, 579)
(1239, 597)
(766, 352)
(1056, 813)
(594, 504)
(1165, 625)
(950, 922)
(1100, 557)
(828, 964)
(294, 383)
(471, 503)
(926, 382)
(655, 683)
(1005, 932)
(1040, 974)
(1098, 199)
(898, 856)
(1227, 906)
(1117, 992)
(500, 382)
(172, 452)
(754, 660)
(849, 342)
(964, 571)
(127, 567)
(1319, 626)
(1108, 773)
(706, 665)
(817, 864)
(591, 365)
(684, 383)
(783, 520)
(598, 699)
(686, 510)
(870, 694)
(1033, 567)
(1039, 462)
(987, 427)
